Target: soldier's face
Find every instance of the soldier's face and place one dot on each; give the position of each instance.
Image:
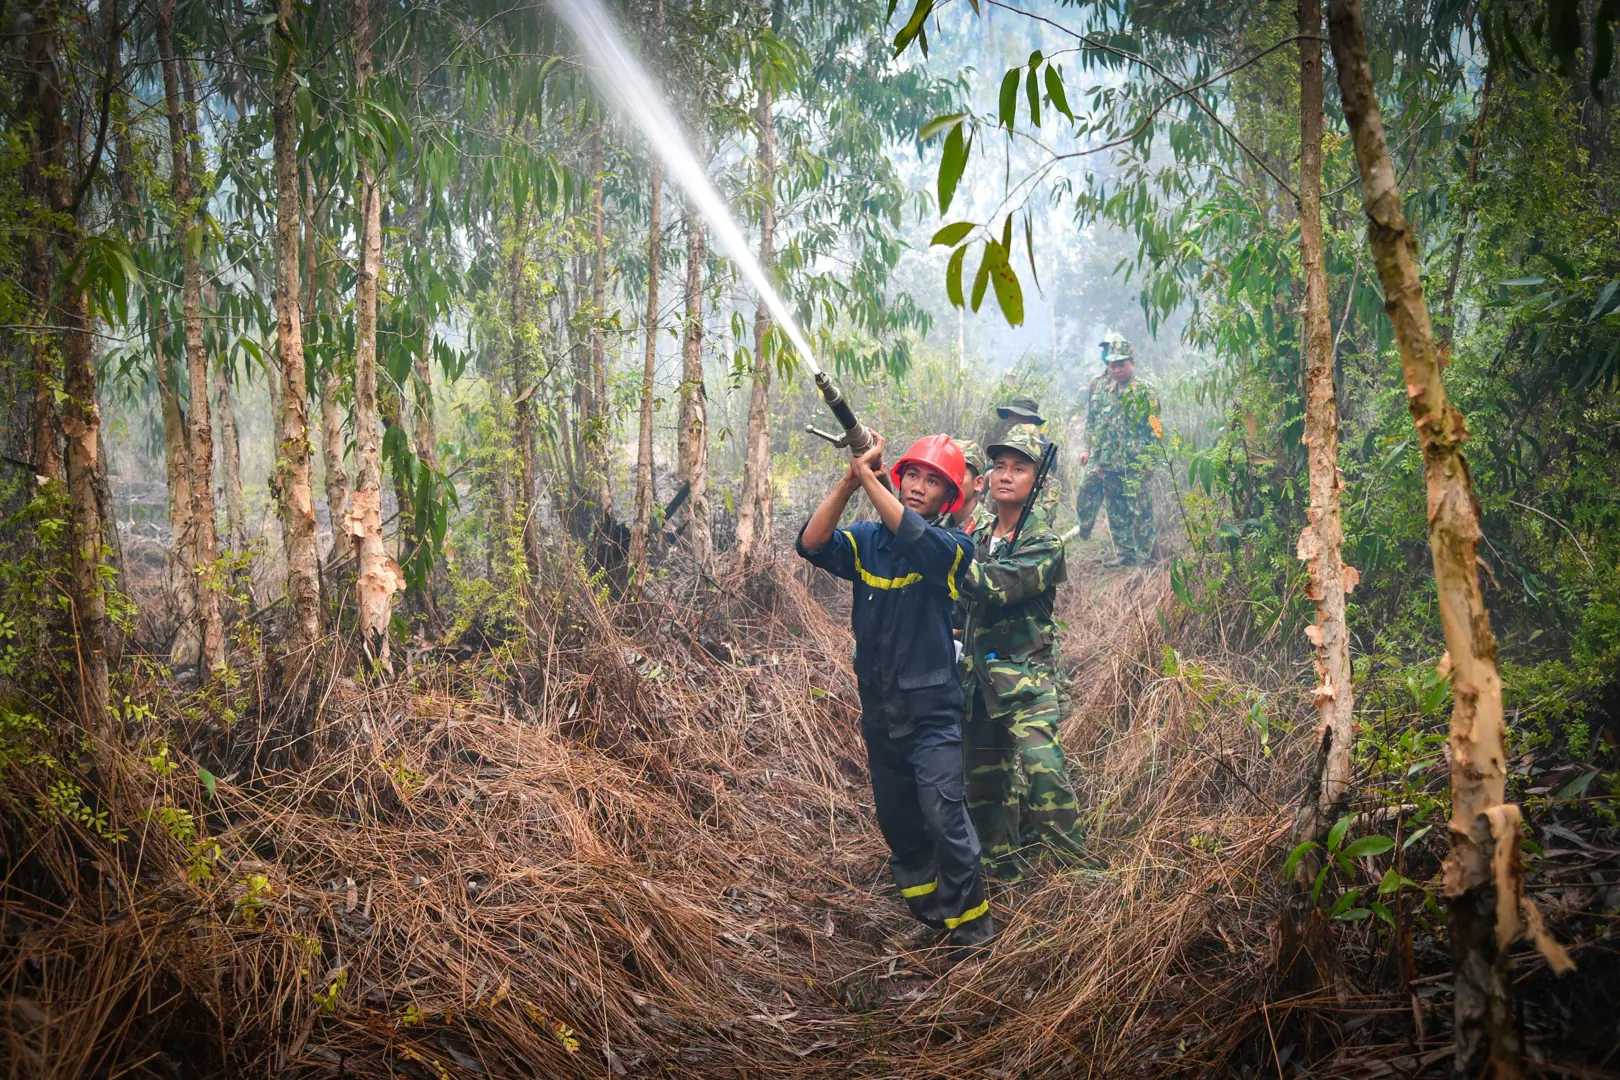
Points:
(1011, 478)
(1122, 371)
(925, 490)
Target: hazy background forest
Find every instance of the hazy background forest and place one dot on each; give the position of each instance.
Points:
(403, 663)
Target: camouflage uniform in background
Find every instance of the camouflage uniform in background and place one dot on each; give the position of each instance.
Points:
(1018, 788)
(1122, 429)
(1009, 415)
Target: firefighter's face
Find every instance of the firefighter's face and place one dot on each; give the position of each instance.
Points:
(1122, 371)
(1011, 477)
(924, 490)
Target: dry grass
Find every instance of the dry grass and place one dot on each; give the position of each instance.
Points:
(644, 846)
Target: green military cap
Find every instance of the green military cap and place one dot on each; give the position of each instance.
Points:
(1023, 406)
(972, 455)
(1022, 439)
(1115, 347)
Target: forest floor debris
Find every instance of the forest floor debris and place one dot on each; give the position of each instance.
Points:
(642, 845)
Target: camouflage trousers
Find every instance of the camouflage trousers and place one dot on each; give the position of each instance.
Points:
(1130, 511)
(1018, 788)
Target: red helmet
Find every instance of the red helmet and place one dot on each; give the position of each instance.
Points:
(939, 453)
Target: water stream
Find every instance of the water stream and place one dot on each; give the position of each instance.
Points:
(618, 75)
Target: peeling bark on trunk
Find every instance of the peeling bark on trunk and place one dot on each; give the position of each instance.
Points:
(602, 464)
(644, 436)
(1321, 542)
(337, 475)
(754, 511)
(179, 589)
(378, 576)
(292, 483)
(230, 448)
(1482, 873)
(81, 421)
(694, 430)
(80, 417)
(42, 92)
(201, 545)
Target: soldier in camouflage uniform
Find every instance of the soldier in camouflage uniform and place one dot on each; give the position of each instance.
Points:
(1122, 430)
(1012, 413)
(971, 513)
(1018, 788)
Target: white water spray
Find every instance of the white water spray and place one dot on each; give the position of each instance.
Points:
(618, 75)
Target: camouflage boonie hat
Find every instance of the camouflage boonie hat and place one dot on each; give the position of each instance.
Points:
(1115, 347)
(1023, 406)
(972, 455)
(1022, 439)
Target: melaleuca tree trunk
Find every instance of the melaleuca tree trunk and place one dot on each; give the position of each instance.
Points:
(694, 429)
(754, 511)
(644, 436)
(1321, 543)
(230, 446)
(337, 474)
(523, 390)
(200, 545)
(427, 447)
(601, 463)
(294, 493)
(1483, 875)
(378, 574)
(179, 588)
(79, 419)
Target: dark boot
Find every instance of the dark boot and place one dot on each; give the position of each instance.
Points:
(972, 939)
(925, 909)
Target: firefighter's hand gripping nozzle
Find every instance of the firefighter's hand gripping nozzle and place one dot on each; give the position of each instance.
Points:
(857, 437)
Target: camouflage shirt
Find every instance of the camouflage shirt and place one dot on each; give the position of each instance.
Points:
(1010, 644)
(1121, 425)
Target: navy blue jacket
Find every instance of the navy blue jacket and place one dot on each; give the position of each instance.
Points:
(905, 590)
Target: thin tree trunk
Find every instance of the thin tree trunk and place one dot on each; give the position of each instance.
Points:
(292, 479)
(754, 511)
(1448, 311)
(1483, 876)
(601, 458)
(230, 449)
(1321, 543)
(523, 390)
(694, 430)
(427, 444)
(80, 418)
(179, 588)
(644, 436)
(200, 546)
(42, 91)
(230, 459)
(337, 476)
(379, 576)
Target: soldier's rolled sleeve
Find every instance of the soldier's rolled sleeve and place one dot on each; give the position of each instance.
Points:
(836, 556)
(1027, 572)
(940, 555)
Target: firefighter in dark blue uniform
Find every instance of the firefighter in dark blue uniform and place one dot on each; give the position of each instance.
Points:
(906, 570)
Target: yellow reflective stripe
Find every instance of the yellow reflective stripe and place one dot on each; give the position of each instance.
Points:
(950, 578)
(883, 582)
(919, 890)
(968, 916)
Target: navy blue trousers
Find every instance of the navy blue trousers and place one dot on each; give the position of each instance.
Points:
(917, 784)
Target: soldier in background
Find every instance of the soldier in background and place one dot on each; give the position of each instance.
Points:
(1017, 412)
(1018, 788)
(974, 510)
(1122, 432)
